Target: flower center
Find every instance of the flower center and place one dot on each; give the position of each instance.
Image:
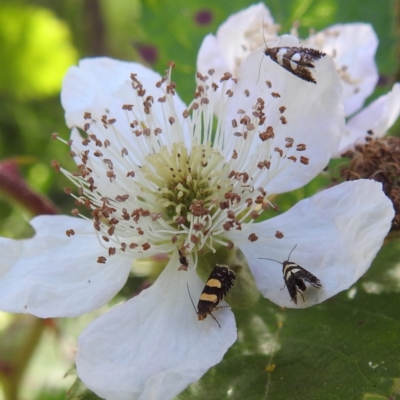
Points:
(187, 189)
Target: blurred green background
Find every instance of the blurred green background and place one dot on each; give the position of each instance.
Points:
(39, 41)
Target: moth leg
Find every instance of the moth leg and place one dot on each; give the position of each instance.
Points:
(301, 294)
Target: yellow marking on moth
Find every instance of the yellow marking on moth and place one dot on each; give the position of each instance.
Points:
(208, 297)
(214, 283)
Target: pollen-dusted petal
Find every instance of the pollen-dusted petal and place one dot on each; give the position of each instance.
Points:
(337, 232)
(56, 275)
(314, 121)
(352, 47)
(112, 99)
(372, 121)
(153, 346)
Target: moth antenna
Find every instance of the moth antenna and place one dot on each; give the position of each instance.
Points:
(262, 58)
(291, 252)
(270, 259)
(264, 33)
(259, 70)
(195, 309)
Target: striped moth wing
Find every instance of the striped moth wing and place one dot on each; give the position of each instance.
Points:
(298, 60)
(217, 286)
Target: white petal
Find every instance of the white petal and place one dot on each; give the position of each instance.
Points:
(377, 117)
(353, 47)
(337, 232)
(236, 38)
(153, 346)
(313, 112)
(98, 84)
(210, 57)
(52, 275)
(101, 86)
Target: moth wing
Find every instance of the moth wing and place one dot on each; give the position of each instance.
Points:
(300, 284)
(225, 276)
(292, 291)
(308, 277)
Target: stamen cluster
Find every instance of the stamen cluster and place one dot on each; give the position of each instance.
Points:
(378, 159)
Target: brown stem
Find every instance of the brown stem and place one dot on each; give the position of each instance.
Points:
(14, 186)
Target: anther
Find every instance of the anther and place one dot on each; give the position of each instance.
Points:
(304, 160)
(253, 237)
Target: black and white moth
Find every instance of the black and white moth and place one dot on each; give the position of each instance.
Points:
(217, 286)
(297, 60)
(295, 277)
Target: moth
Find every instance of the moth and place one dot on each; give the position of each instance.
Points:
(295, 277)
(298, 60)
(217, 286)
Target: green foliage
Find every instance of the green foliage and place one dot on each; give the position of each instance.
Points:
(36, 51)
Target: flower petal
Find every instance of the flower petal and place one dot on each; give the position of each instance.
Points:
(153, 346)
(102, 86)
(52, 275)
(210, 57)
(352, 47)
(376, 118)
(337, 234)
(305, 113)
(236, 38)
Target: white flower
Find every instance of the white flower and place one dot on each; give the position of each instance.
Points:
(371, 122)
(157, 177)
(352, 47)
